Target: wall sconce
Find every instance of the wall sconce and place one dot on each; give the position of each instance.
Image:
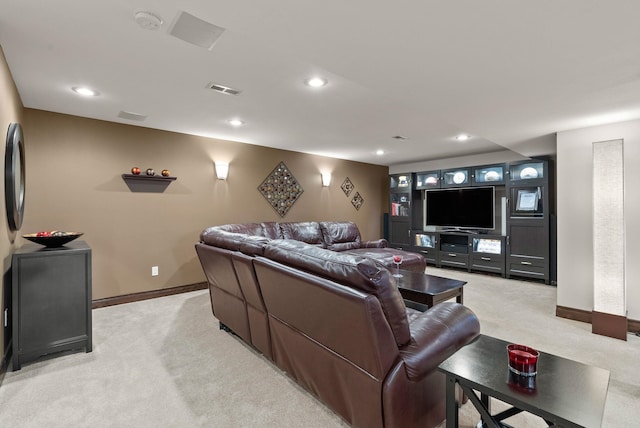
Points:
(326, 179)
(222, 170)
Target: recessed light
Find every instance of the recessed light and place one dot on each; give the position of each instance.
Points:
(380, 152)
(236, 122)
(84, 91)
(316, 82)
(462, 137)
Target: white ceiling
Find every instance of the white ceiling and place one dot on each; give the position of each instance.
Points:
(510, 73)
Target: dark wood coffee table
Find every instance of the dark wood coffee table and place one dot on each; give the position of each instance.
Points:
(428, 290)
(567, 393)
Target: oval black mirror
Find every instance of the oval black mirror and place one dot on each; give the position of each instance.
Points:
(14, 176)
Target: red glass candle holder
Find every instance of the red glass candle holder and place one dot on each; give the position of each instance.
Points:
(523, 360)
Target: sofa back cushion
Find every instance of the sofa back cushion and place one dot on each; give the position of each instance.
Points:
(308, 232)
(221, 238)
(254, 229)
(340, 235)
(353, 271)
(271, 230)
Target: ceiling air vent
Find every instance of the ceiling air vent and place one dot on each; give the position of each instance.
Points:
(194, 30)
(223, 89)
(131, 116)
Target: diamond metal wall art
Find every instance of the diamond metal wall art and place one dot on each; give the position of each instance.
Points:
(281, 189)
(357, 201)
(347, 186)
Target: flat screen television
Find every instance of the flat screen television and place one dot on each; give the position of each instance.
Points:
(461, 208)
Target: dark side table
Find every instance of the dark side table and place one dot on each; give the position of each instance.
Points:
(566, 393)
(51, 300)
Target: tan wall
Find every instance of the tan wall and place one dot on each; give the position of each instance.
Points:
(74, 183)
(10, 111)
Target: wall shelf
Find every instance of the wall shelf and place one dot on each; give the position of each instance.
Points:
(147, 183)
(147, 177)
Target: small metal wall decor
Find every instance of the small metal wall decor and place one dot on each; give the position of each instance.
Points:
(347, 186)
(281, 189)
(357, 201)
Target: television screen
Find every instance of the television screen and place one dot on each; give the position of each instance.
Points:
(469, 207)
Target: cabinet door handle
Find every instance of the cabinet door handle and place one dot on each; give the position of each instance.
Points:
(525, 263)
(486, 259)
(453, 255)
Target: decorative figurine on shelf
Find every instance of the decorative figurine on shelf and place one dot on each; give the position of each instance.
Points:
(151, 172)
(166, 173)
(135, 170)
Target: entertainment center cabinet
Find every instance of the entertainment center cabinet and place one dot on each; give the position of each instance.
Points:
(482, 252)
(521, 241)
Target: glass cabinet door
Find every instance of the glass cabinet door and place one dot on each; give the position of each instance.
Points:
(425, 240)
(400, 182)
(527, 171)
(488, 175)
(428, 180)
(400, 204)
(527, 201)
(487, 245)
(456, 177)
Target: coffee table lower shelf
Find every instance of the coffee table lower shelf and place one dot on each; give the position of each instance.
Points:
(567, 393)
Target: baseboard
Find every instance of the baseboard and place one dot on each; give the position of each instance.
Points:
(146, 295)
(586, 316)
(609, 325)
(573, 314)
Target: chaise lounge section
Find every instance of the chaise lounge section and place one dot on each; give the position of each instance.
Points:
(335, 322)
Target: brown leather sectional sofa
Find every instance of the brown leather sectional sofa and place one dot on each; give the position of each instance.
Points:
(334, 321)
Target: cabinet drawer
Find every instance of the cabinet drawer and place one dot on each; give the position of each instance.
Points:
(489, 263)
(454, 259)
(430, 254)
(535, 268)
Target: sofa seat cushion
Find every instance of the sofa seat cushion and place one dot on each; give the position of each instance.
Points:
(340, 236)
(414, 262)
(308, 232)
(350, 270)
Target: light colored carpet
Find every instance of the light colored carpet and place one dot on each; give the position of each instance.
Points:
(165, 363)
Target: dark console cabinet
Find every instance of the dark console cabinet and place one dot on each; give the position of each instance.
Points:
(473, 252)
(51, 300)
(530, 250)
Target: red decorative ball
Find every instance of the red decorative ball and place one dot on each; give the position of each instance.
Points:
(165, 173)
(150, 171)
(135, 170)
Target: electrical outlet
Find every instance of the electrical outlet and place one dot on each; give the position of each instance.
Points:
(154, 270)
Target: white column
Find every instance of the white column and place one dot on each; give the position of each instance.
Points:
(609, 288)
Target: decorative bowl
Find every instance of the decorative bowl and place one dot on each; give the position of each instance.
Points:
(53, 241)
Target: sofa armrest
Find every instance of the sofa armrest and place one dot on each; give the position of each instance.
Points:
(378, 243)
(436, 335)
